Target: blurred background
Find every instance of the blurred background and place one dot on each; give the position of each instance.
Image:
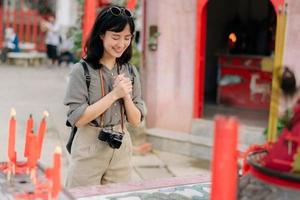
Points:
(197, 58)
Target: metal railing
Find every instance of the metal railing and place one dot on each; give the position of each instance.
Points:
(26, 24)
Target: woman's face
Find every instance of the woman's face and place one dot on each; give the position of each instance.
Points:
(115, 43)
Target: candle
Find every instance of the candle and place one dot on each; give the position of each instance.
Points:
(56, 183)
(224, 168)
(41, 133)
(12, 155)
(29, 129)
(48, 173)
(32, 151)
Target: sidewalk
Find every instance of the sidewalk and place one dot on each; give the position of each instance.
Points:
(161, 164)
(31, 90)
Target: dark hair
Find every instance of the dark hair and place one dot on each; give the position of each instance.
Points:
(51, 15)
(288, 82)
(106, 21)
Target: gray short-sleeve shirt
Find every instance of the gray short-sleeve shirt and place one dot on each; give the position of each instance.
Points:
(76, 97)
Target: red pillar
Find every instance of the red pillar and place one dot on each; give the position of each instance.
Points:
(89, 16)
(1, 27)
(277, 4)
(131, 4)
(199, 77)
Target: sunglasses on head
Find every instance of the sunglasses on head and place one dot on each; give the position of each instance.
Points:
(116, 11)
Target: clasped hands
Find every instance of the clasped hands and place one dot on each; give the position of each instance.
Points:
(122, 87)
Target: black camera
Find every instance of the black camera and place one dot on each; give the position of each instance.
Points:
(113, 138)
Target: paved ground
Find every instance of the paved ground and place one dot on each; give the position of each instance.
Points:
(251, 188)
(31, 90)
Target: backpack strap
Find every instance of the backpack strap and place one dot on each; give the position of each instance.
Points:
(88, 82)
(74, 129)
(132, 73)
(71, 138)
(87, 78)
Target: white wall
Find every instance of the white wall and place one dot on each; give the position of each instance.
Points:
(66, 12)
(292, 43)
(170, 70)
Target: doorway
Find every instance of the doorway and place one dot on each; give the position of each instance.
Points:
(243, 34)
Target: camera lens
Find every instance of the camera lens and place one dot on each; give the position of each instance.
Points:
(115, 140)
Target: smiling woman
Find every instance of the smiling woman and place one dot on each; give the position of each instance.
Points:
(116, 43)
(104, 90)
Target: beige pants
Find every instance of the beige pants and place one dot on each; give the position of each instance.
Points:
(94, 162)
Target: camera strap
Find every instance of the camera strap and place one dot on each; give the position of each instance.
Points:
(122, 105)
(103, 94)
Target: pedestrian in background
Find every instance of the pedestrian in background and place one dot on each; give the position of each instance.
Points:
(102, 148)
(52, 38)
(65, 49)
(11, 43)
(289, 91)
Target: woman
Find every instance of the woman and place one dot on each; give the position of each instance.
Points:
(114, 95)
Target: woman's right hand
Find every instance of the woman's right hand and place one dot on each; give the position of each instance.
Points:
(122, 86)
